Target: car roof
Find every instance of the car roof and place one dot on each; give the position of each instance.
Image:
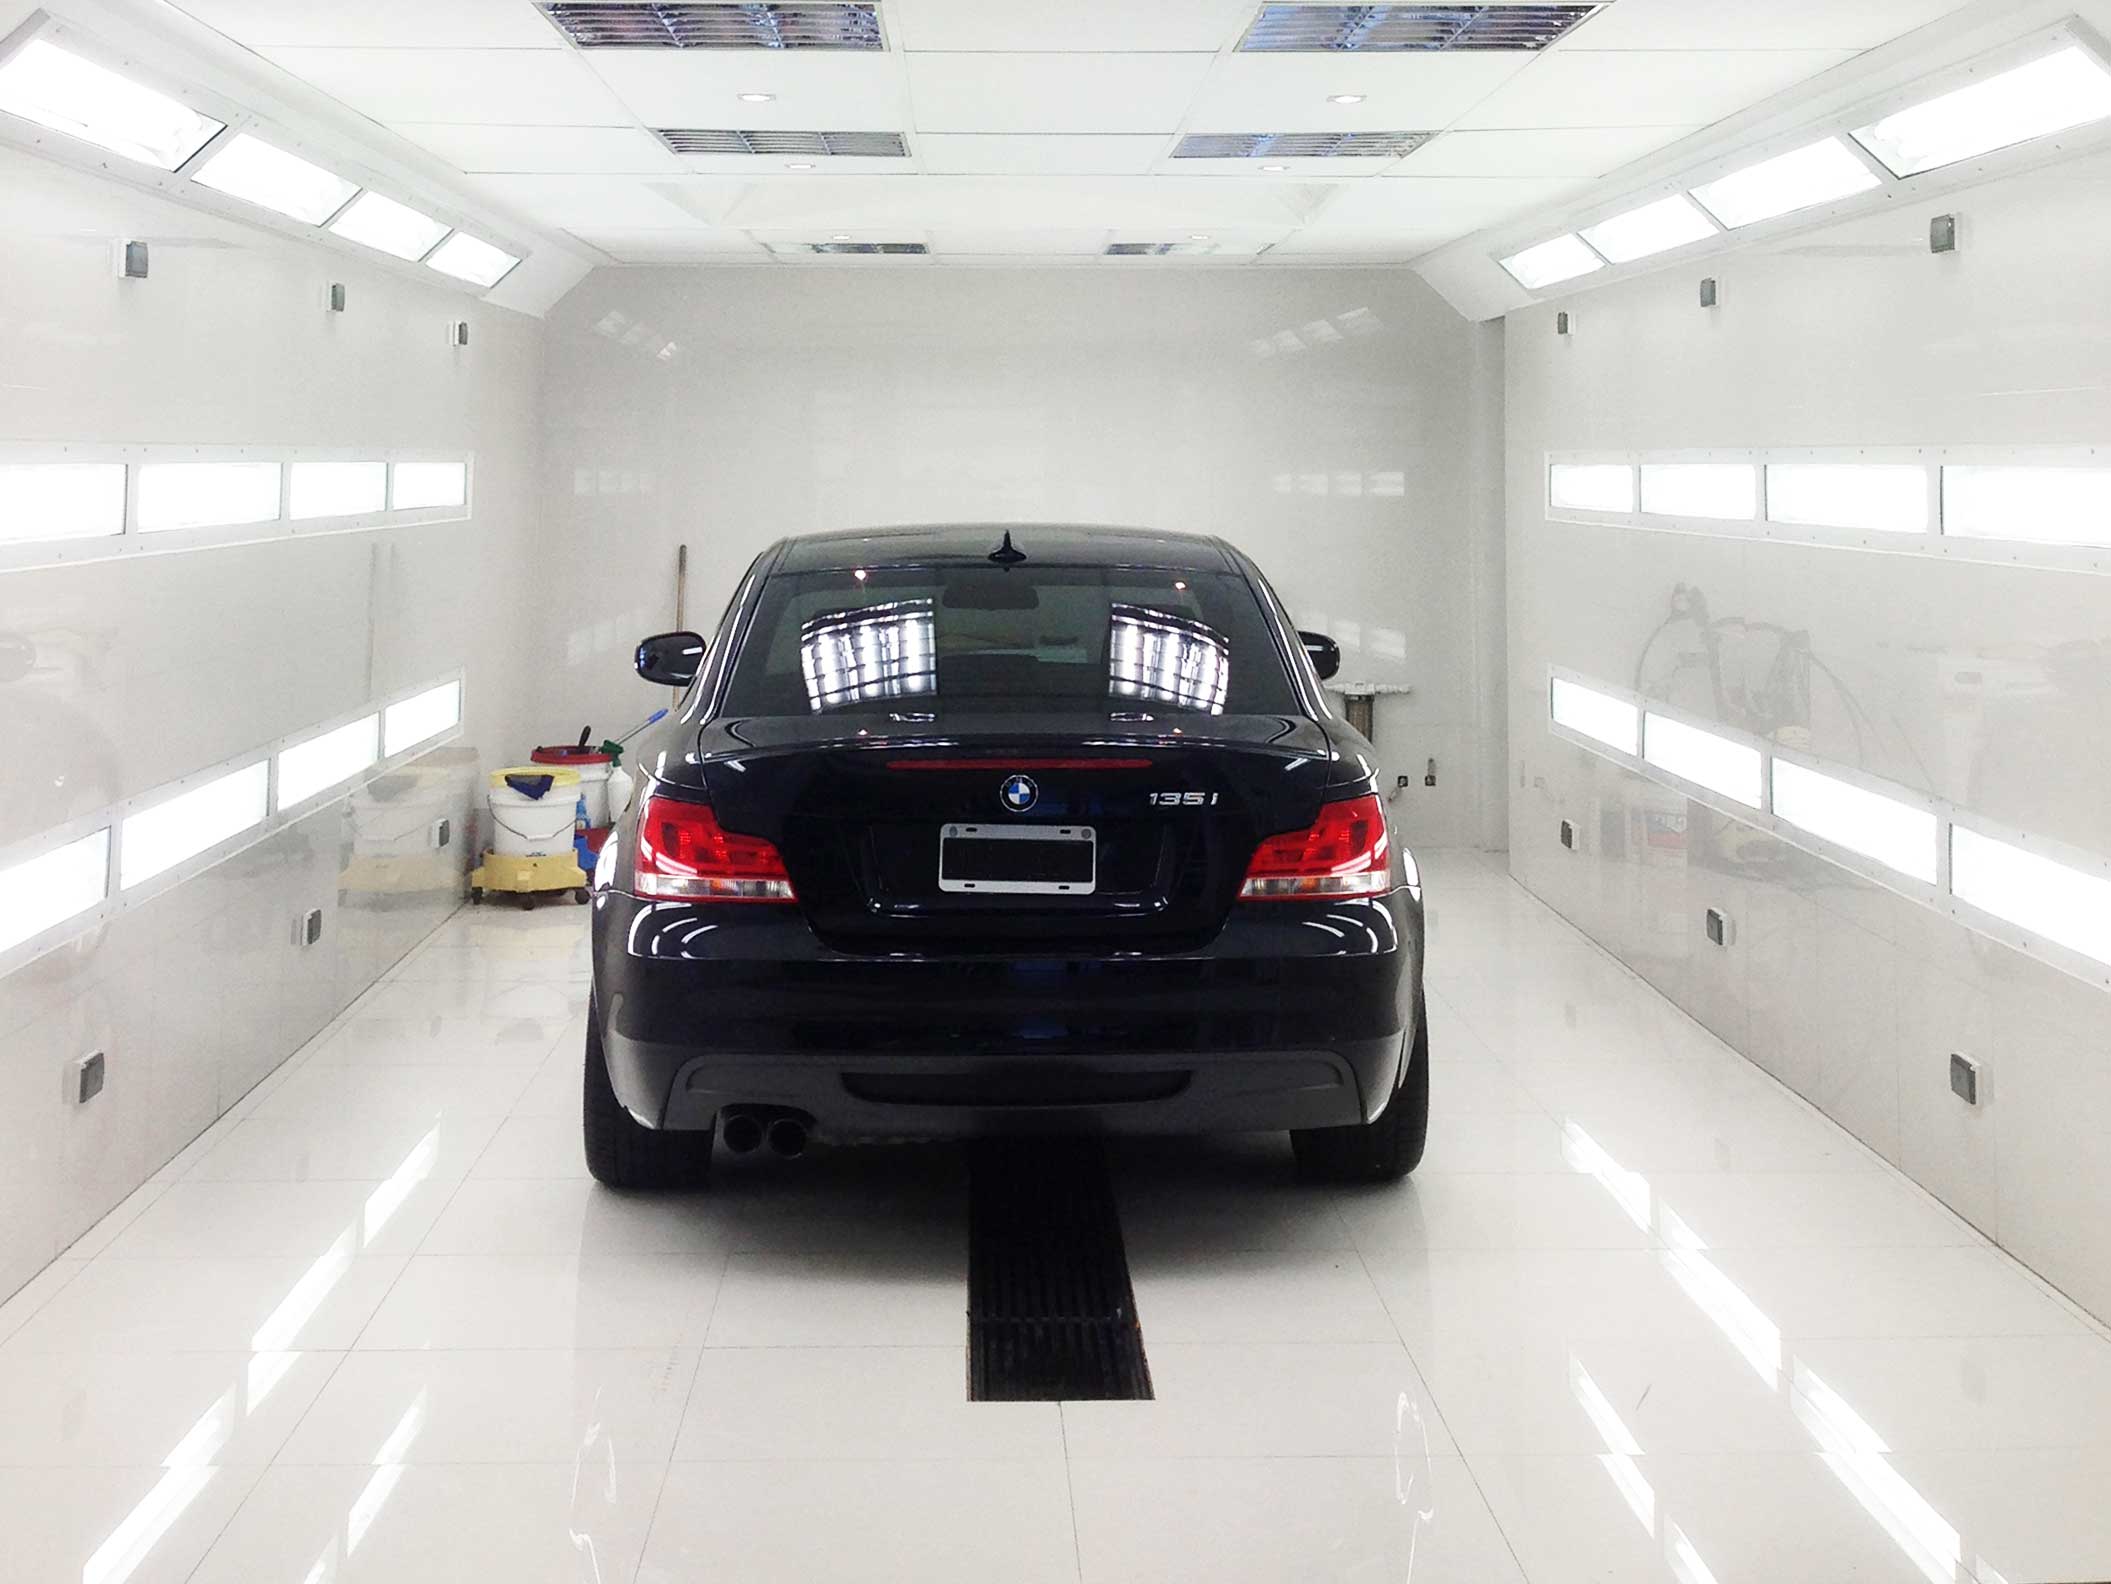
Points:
(1044, 544)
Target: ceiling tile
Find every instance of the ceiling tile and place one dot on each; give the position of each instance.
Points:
(978, 154)
(1569, 151)
(1206, 25)
(504, 86)
(1740, 24)
(970, 242)
(1671, 88)
(692, 246)
(569, 201)
(1451, 205)
(1402, 93)
(1053, 92)
(556, 150)
(816, 90)
(407, 24)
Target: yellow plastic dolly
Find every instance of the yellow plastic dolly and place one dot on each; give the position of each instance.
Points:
(528, 878)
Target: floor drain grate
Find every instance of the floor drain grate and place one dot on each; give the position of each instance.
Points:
(1051, 1315)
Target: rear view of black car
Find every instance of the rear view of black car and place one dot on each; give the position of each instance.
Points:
(961, 831)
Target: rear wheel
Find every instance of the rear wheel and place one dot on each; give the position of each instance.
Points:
(1382, 1151)
(622, 1153)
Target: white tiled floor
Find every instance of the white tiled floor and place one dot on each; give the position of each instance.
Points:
(1641, 1316)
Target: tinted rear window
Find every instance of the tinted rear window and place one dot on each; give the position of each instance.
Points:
(1024, 638)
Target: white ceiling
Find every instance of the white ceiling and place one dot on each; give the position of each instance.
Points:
(1042, 129)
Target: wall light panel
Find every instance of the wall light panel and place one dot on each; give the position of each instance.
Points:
(470, 259)
(326, 760)
(1651, 228)
(2068, 88)
(1817, 173)
(1895, 834)
(2041, 505)
(61, 500)
(1726, 490)
(1599, 716)
(206, 494)
(1722, 766)
(2038, 895)
(420, 717)
(1550, 263)
(416, 486)
(247, 167)
(393, 228)
(338, 489)
(54, 886)
(66, 92)
(1880, 497)
(159, 838)
(1591, 486)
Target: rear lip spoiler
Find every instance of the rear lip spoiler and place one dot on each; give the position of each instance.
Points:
(1002, 762)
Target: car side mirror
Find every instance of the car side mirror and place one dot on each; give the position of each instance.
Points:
(1325, 653)
(671, 659)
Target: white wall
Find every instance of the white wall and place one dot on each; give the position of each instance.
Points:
(123, 675)
(1988, 686)
(1338, 425)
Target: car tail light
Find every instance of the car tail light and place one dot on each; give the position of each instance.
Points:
(1346, 852)
(685, 854)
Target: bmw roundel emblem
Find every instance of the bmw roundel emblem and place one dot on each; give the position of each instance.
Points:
(1019, 793)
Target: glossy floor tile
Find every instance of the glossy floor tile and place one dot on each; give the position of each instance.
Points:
(1642, 1316)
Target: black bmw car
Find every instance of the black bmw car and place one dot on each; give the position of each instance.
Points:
(965, 830)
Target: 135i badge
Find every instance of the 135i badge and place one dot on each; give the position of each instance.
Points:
(1183, 800)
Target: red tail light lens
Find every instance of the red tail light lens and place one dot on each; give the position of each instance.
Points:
(685, 854)
(1346, 852)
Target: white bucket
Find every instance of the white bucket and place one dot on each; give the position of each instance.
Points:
(526, 827)
(593, 781)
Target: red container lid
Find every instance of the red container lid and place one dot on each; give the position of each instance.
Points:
(568, 754)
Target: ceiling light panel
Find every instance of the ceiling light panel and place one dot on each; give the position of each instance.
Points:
(1299, 145)
(764, 27)
(1550, 263)
(65, 92)
(852, 248)
(831, 145)
(1156, 249)
(1652, 228)
(2069, 88)
(1817, 173)
(1375, 28)
(395, 229)
(248, 168)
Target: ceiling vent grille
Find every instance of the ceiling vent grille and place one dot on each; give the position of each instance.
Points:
(1156, 249)
(1370, 28)
(596, 24)
(829, 145)
(1299, 145)
(849, 247)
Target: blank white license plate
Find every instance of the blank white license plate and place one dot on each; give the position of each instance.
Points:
(1018, 860)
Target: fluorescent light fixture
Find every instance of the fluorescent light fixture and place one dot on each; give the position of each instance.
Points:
(415, 485)
(2036, 505)
(249, 168)
(1725, 490)
(58, 89)
(1882, 497)
(206, 494)
(338, 489)
(326, 761)
(2069, 88)
(1550, 263)
(52, 887)
(1592, 486)
(1652, 228)
(421, 716)
(61, 500)
(1814, 174)
(157, 839)
(1614, 722)
(1720, 765)
(395, 229)
(2046, 898)
(1897, 835)
(467, 258)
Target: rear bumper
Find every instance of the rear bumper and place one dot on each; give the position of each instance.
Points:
(1297, 1016)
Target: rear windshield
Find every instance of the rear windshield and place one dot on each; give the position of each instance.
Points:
(997, 639)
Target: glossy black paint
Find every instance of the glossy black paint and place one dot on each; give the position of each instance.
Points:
(1325, 653)
(1160, 1003)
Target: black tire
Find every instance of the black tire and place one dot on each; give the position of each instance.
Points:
(582, 896)
(476, 896)
(1382, 1151)
(622, 1154)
